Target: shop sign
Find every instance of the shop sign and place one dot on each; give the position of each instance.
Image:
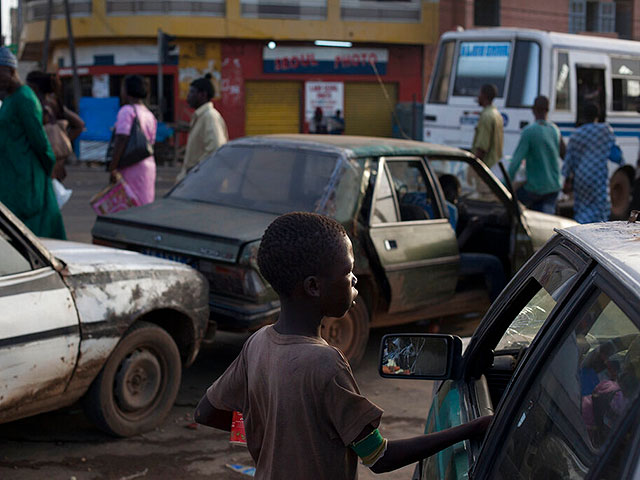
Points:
(329, 96)
(341, 61)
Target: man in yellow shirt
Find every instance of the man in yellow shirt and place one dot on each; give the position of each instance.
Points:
(208, 130)
(488, 137)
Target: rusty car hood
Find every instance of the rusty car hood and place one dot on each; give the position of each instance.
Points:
(86, 258)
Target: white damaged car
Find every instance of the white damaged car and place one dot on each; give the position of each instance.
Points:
(81, 321)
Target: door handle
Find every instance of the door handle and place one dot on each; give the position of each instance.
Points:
(390, 245)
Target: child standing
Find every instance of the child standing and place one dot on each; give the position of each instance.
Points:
(303, 412)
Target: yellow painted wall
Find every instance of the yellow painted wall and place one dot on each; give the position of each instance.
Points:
(100, 25)
(198, 57)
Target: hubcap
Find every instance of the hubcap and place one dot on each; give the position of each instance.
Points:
(138, 381)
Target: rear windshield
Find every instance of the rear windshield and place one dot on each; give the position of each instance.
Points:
(268, 179)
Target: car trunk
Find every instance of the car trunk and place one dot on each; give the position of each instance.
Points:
(180, 230)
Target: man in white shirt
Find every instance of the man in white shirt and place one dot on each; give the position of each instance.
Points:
(208, 130)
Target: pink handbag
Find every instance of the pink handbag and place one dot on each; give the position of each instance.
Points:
(115, 197)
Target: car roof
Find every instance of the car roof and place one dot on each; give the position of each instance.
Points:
(615, 245)
(354, 146)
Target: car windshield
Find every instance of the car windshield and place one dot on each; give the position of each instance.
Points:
(269, 179)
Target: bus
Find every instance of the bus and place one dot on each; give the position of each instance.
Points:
(571, 70)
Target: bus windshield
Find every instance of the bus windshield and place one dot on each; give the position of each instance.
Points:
(480, 63)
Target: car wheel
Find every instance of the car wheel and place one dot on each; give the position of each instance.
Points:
(138, 385)
(349, 333)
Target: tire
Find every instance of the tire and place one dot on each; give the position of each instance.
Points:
(349, 333)
(138, 384)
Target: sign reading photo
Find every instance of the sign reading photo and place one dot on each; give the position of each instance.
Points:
(326, 96)
(343, 61)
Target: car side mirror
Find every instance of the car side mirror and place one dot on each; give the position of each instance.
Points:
(427, 356)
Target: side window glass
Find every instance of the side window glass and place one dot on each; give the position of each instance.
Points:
(11, 260)
(415, 195)
(549, 283)
(562, 82)
(440, 87)
(525, 74)
(384, 209)
(579, 399)
(471, 186)
(625, 77)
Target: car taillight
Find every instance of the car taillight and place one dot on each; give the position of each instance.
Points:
(231, 279)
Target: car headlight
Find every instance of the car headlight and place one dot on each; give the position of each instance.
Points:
(249, 256)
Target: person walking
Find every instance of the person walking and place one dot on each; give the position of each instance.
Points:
(585, 167)
(542, 146)
(47, 88)
(140, 176)
(208, 130)
(489, 133)
(26, 157)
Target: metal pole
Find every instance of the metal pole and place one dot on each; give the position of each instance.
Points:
(47, 35)
(72, 49)
(160, 79)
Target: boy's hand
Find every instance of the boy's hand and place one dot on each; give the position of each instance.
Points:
(480, 426)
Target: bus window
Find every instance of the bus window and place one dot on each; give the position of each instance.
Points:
(625, 76)
(590, 90)
(525, 74)
(562, 82)
(440, 86)
(480, 63)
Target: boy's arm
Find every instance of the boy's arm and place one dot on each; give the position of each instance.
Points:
(400, 453)
(207, 414)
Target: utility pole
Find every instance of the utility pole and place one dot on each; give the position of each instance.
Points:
(47, 35)
(72, 49)
(160, 78)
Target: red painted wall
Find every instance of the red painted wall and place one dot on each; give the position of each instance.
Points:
(242, 61)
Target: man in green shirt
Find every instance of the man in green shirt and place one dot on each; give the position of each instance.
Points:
(542, 146)
(26, 157)
(487, 139)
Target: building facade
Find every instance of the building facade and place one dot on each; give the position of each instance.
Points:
(273, 61)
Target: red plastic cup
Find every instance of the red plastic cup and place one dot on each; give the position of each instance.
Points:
(238, 436)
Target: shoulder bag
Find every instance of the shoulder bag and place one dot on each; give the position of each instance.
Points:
(138, 146)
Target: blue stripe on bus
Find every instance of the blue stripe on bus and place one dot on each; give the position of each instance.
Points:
(613, 125)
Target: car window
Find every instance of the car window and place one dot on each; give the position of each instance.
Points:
(472, 186)
(275, 180)
(548, 283)
(415, 195)
(579, 399)
(11, 260)
(384, 208)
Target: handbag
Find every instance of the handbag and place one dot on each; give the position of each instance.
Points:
(114, 197)
(58, 138)
(138, 146)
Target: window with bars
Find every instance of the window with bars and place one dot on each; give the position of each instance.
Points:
(592, 16)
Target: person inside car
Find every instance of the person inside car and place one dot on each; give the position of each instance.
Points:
(465, 226)
(303, 411)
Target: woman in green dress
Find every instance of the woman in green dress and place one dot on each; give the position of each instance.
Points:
(26, 157)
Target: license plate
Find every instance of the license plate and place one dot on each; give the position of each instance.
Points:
(176, 257)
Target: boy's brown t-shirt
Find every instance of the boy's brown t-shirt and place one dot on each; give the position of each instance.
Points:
(301, 406)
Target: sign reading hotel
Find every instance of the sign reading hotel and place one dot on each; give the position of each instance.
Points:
(341, 61)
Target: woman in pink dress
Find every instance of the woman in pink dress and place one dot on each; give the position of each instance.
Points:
(140, 176)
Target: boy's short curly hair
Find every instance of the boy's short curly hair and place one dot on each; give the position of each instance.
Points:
(297, 245)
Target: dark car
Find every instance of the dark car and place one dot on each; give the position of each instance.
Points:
(384, 191)
(556, 359)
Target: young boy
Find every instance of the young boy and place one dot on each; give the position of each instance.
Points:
(303, 412)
